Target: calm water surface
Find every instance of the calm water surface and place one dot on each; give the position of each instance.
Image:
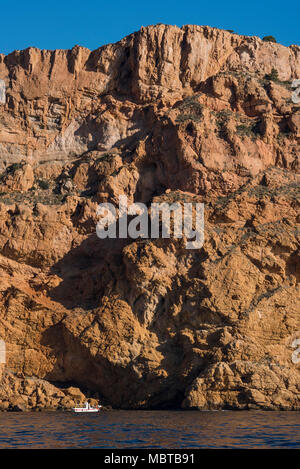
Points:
(151, 429)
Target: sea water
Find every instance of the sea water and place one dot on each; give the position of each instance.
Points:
(150, 429)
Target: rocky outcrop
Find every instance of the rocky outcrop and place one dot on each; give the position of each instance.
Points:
(166, 114)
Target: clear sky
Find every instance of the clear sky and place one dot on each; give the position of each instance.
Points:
(90, 23)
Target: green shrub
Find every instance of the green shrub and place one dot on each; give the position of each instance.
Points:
(269, 39)
(13, 167)
(10, 170)
(187, 117)
(251, 130)
(190, 109)
(43, 184)
(273, 76)
(243, 129)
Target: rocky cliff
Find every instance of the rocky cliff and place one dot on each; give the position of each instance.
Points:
(166, 114)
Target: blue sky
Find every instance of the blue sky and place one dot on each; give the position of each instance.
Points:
(62, 24)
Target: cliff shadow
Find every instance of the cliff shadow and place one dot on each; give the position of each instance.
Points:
(87, 271)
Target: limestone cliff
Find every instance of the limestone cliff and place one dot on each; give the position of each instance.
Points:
(166, 114)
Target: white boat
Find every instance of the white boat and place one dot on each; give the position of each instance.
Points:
(87, 408)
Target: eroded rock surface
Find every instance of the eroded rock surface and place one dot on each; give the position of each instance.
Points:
(166, 114)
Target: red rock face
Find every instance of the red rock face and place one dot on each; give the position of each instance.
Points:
(166, 114)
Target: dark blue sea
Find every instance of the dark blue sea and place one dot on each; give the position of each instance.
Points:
(150, 429)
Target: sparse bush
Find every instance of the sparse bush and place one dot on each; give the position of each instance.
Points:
(186, 117)
(13, 167)
(251, 130)
(43, 184)
(10, 170)
(103, 157)
(190, 109)
(221, 120)
(273, 76)
(269, 39)
(243, 129)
